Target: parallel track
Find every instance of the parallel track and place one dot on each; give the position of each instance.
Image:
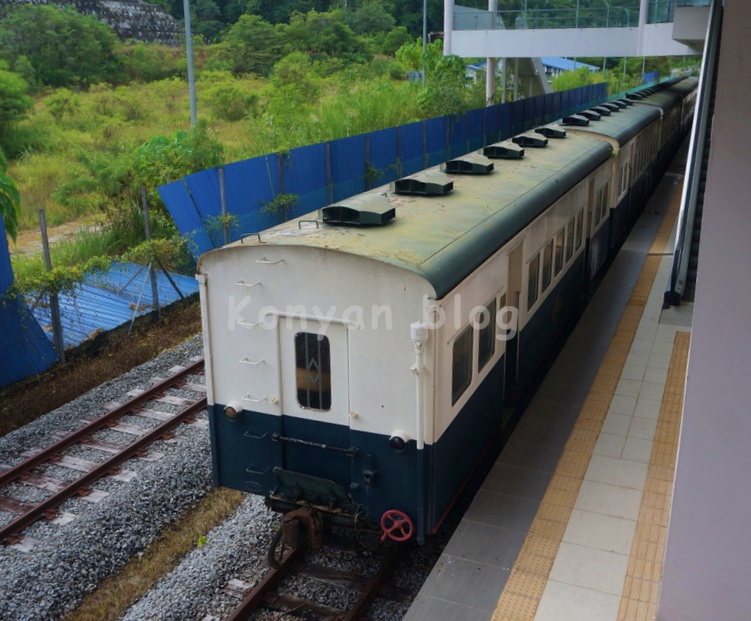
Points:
(27, 513)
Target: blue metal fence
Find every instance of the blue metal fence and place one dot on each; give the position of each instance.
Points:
(24, 348)
(320, 174)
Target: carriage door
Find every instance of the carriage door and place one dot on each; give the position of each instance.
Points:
(514, 299)
(315, 398)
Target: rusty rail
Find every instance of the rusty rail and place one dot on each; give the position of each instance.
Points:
(262, 593)
(10, 531)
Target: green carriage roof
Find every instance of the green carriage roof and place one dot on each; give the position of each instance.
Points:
(445, 238)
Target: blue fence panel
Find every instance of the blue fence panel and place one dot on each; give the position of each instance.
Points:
(185, 214)
(437, 146)
(348, 157)
(529, 113)
(507, 124)
(249, 185)
(412, 147)
(384, 157)
(304, 174)
(6, 271)
(517, 116)
(204, 187)
(24, 348)
(492, 124)
(539, 110)
(475, 124)
(458, 135)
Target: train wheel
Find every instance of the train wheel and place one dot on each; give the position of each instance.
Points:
(396, 525)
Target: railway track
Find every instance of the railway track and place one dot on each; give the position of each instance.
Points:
(158, 425)
(345, 576)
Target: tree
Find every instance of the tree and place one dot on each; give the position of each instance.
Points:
(324, 35)
(60, 46)
(395, 39)
(10, 201)
(253, 44)
(14, 102)
(370, 18)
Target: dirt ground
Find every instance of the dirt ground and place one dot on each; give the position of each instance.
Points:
(113, 356)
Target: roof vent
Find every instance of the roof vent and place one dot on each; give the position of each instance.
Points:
(592, 115)
(431, 183)
(363, 210)
(470, 164)
(603, 110)
(617, 102)
(575, 120)
(503, 151)
(610, 106)
(551, 132)
(634, 96)
(627, 102)
(530, 140)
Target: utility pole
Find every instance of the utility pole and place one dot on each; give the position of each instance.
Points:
(189, 52)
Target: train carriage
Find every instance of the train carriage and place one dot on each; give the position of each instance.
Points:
(358, 359)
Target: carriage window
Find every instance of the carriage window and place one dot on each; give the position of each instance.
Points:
(486, 341)
(579, 228)
(596, 209)
(313, 362)
(461, 375)
(570, 239)
(534, 277)
(559, 240)
(547, 265)
(605, 194)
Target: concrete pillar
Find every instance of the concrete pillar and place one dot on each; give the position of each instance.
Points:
(448, 25)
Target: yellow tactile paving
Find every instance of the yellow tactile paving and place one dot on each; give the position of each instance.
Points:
(528, 577)
(642, 585)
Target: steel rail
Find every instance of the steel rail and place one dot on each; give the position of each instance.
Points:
(256, 596)
(14, 527)
(102, 421)
(371, 588)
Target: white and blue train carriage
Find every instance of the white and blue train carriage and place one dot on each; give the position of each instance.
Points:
(343, 368)
(350, 365)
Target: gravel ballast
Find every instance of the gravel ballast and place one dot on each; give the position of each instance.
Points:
(67, 561)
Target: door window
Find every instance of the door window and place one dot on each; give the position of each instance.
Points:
(313, 370)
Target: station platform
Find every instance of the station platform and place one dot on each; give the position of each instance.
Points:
(570, 524)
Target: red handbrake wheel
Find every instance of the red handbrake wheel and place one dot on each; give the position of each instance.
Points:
(396, 525)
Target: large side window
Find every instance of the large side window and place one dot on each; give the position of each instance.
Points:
(534, 278)
(313, 362)
(570, 239)
(559, 241)
(486, 341)
(547, 265)
(461, 374)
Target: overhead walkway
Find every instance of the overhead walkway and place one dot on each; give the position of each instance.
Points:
(660, 28)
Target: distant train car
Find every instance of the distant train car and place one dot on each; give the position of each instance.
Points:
(358, 359)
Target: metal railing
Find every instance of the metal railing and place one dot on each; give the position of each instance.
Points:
(606, 16)
(691, 191)
(466, 18)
